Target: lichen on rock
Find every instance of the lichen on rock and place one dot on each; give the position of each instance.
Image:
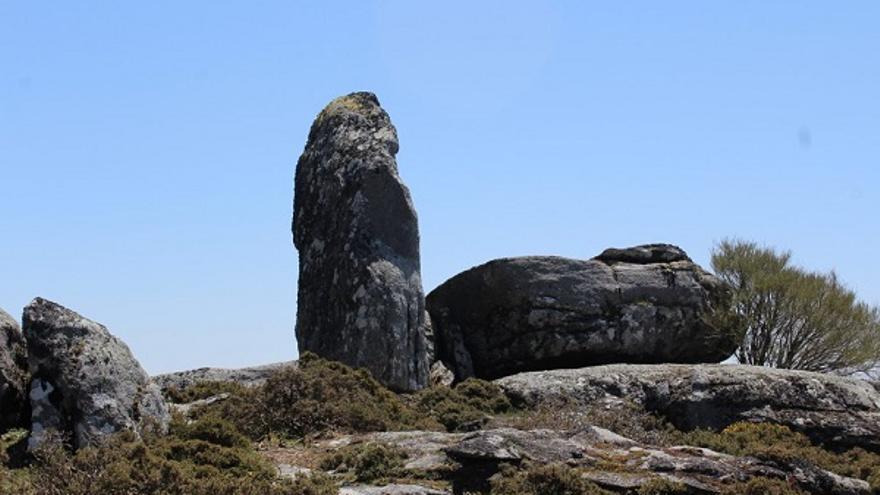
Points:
(360, 297)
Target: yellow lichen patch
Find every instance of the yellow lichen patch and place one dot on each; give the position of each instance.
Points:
(351, 103)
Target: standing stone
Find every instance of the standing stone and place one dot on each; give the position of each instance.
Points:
(360, 290)
(85, 382)
(13, 374)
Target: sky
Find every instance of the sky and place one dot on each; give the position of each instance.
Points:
(147, 149)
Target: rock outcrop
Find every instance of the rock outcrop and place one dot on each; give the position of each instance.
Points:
(466, 461)
(835, 411)
(647, 304)
(699, 470)
(360, 292)
(85, 382)
(249, 377)
(13, 375)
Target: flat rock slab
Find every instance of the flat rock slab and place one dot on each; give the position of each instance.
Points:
(833, 410)
(249, 377)
(394, 489)
(646, 304)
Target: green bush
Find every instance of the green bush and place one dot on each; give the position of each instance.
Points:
(211, 429)
(791, 318)
(314, 397)
(778, 443)
(465, 407)
(550, 479)
(204, 458)
(662, 486)
(320, 395)
(762, 486)
(367, 462)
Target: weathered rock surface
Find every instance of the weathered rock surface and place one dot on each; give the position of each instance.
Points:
(249, 377)
(360, 291)
(701, 470)
(467, 460)
(85, 382)
(13, 375)
(647, 304)
(392, 489)
(833, 410)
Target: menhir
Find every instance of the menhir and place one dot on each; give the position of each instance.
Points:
(360, 295)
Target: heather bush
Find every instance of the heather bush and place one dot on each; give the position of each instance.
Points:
(465, 407)
(551, 479)
(366, 462)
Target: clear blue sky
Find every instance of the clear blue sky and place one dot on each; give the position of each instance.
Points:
(147, 149)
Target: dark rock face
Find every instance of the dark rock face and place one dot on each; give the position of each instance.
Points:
(832, 410)
(13, 375)
(360, 291)
(85, 382)
(647, 304)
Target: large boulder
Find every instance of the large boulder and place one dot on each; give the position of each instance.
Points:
(13, 374)
(647, 304)
(832, 410)
(360, 291)
(85, 382)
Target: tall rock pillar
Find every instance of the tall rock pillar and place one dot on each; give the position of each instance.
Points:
(360, 295)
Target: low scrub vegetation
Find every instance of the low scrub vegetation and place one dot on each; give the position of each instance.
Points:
(467, 406)
(314, 397)
(778, 443)
(320, 396)
(206, 457)
(213, 453)
(366, 462)
(550, 479)
(623, 418)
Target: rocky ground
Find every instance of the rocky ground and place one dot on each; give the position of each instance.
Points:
(565, 420)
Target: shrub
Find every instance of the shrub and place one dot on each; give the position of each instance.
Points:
(211, 429)
(197, 459)
(662, 486)
(367, 462)
(550, 479)
(321, 395)
(762, 486)
(792, 318)
(313, 397)
(465, 407)
(778, 443)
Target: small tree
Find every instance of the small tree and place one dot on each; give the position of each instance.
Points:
(792, 318)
